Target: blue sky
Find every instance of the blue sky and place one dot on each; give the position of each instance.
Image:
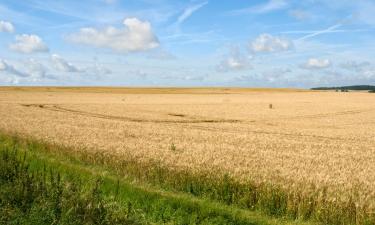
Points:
(262, 43)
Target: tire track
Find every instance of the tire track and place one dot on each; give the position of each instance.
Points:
(323, 115)
(236, 130)
(124, 118)
(294, 135)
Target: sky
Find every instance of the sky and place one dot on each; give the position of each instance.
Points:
(237, 43)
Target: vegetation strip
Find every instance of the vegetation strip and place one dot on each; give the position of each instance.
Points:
(50, 189)
(312, 204)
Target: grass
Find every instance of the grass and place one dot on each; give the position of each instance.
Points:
(42, 184)
(271, 200)
(31, 196)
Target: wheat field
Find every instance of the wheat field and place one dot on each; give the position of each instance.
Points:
(324, 140)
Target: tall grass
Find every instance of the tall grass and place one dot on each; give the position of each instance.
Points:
(311, 204)
(44, 197)
(307, 204)
(42, 184)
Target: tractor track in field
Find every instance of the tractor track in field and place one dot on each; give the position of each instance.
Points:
(323, 115)
(286, 134)
(194, 121)
(57, 108)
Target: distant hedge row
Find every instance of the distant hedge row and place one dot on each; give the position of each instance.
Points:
(369, 88)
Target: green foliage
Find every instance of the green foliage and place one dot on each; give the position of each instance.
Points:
(43, 188)
(43, 197)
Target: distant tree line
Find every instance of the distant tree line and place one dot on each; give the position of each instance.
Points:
(368, 88)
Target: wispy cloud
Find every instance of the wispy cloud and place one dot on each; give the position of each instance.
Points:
(271, 5)
(320, 32)
(189, 11)
(332, 31)
(10, 69)
(62, 65)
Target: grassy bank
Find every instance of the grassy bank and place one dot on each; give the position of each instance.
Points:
(306, 205)
(46, 184)
(191, 198)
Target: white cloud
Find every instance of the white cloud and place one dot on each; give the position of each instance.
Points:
(269, 43)
(235, 61)
(26, 43)
(270, 6)
(10, 69)
(330, 29)
(189, 11)
(6, 27)
(37, 71)
(62, 65)
(136, 36)
(36, 68)
(314, 63)
(94, 70)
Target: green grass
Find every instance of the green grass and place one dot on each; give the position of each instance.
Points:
(273, 201)
(42, 196)
(49, 184)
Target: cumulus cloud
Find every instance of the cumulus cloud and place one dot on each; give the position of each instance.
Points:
(29, 43)
(10, 69)
(314, 63)
(268, 43)
(235, 61)
(6, 27)
(136, 36)
(62, 65)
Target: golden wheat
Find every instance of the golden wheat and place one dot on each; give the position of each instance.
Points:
(325, 139)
